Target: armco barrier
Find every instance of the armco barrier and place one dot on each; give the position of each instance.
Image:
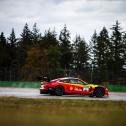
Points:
(37, 85)
(121, 88)
(20, 84)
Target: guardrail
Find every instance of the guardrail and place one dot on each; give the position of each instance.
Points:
(20, 84)
(121, 88)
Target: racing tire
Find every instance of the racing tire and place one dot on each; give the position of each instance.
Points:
(59, 90)
(99, 92)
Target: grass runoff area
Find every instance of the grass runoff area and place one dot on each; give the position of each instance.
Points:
(46, 112)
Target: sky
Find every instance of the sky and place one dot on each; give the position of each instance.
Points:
(81, 17)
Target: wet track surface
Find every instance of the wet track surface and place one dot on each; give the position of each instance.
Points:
(34, 93)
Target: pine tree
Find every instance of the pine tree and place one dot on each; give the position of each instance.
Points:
(26, 37)
(50, 45)
(117, 51)
(12, 39)
(43, 58)
(24, 43)
(13, 56)
(49, 39)
(93, 55)
(4, 57)
(36, 35)
(101, 54)
(65, 47)
(3, 51)
(12, 47)
(93, 46)
(2, 40)
(124, 50)
(80, 56)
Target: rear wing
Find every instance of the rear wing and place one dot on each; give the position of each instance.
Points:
(43, 78)
(47, 79)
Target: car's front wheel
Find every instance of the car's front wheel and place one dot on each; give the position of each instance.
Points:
(99, 92)
(59, 90)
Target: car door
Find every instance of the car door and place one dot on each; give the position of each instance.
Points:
(67, 86)
(76, 86)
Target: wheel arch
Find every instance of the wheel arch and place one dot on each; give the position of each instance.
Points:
(59, 86)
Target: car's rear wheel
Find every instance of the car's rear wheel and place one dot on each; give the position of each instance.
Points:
(99, 92)
(59, 90)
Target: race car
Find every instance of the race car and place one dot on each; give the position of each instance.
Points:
(72, 86)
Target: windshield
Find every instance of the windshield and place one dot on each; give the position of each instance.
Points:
(83, 82)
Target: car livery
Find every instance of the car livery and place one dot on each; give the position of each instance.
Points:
(71, 85)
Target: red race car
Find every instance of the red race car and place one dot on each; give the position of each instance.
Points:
(71, 85)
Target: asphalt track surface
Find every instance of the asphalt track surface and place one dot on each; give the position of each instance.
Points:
(34, 93)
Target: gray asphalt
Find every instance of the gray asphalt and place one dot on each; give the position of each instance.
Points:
(34, 93)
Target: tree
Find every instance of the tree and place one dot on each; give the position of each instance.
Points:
(13, 55)
(65, 47)
(41, 62)
(2, 40)
(93, 55)
(93, 50)
(49, 39)
(50, 45)
(53, 57)
(103, 53)
(36, 36)
(25, 42)
(80, 56)
(101, 50)
(3, 51)
(26, 37)
(124, 50)
(117, 60)
(123, 73)
(43, 58)
(4, 57)
(12, 39)
(35, 63)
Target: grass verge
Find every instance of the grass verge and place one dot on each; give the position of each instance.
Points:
(47, 112)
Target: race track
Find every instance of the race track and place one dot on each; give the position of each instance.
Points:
(34, 93)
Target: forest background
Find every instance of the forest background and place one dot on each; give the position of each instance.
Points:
(35, 54)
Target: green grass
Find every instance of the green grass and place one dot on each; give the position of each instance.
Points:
(47, 112)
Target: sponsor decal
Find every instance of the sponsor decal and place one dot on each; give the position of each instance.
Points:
(86, 88)
(77, 89)
(71, 88)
